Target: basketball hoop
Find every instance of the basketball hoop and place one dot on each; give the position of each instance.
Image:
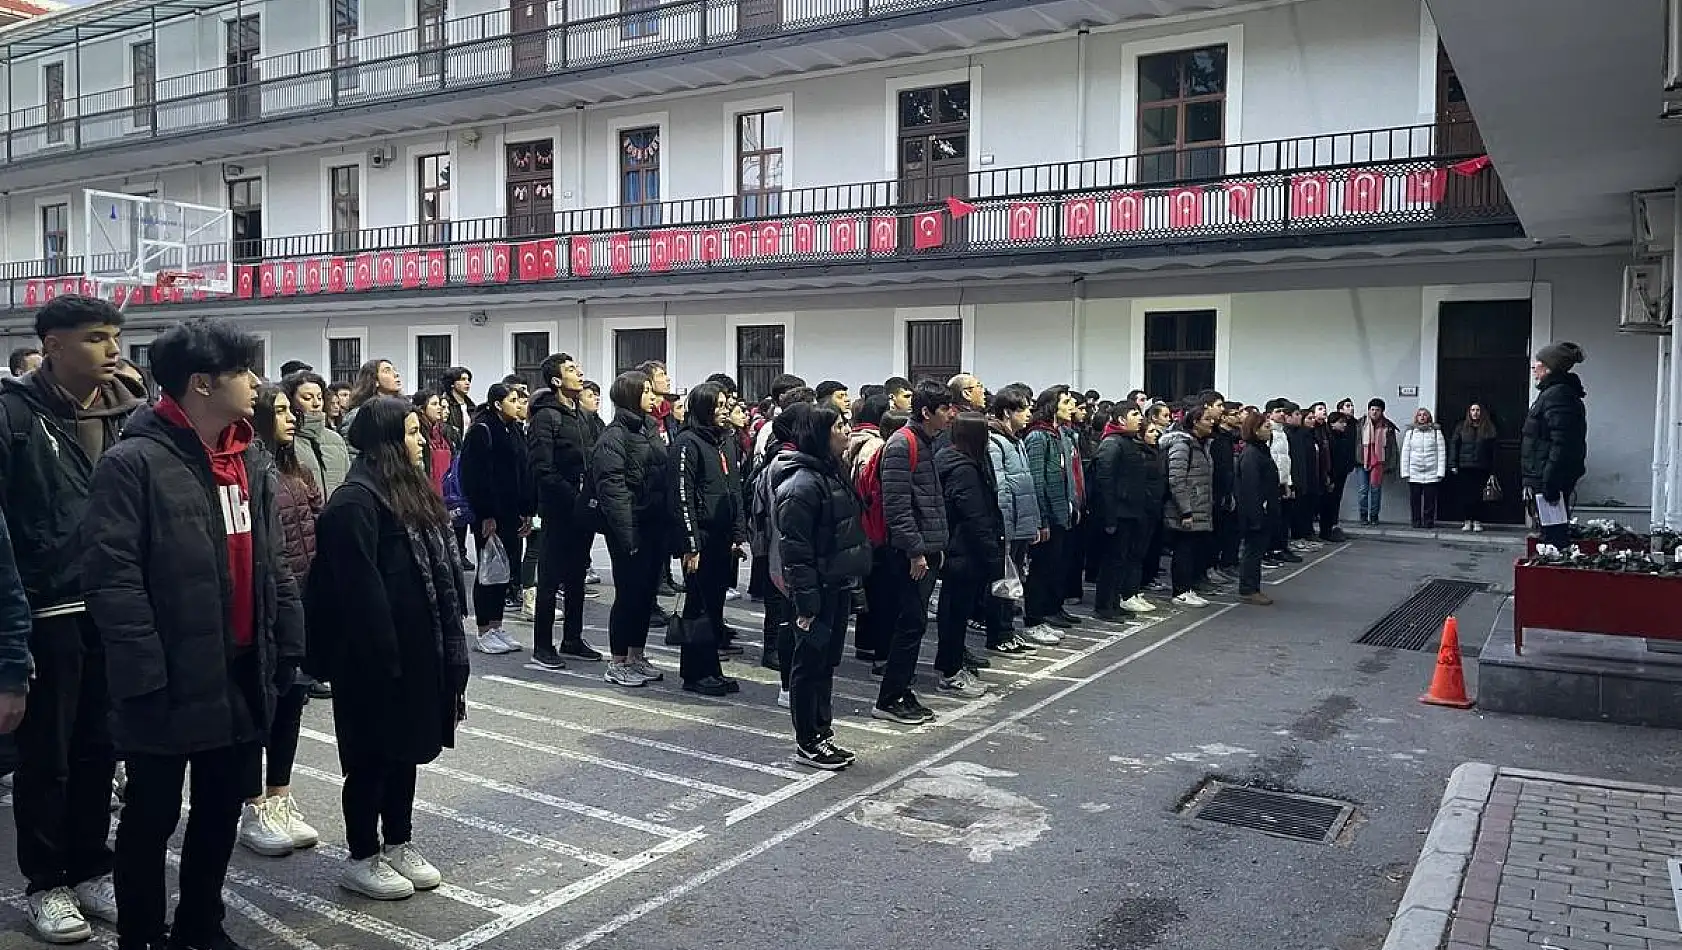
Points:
(184, 279)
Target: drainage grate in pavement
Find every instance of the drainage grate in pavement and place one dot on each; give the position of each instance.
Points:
(1415, 623)
(1281, 814)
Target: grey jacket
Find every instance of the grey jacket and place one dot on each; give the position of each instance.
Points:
(1017, 501)
(323, 453)
(1191, 482)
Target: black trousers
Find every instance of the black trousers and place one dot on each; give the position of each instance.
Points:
(1304, 509)
(1189, 548)
(61, 792)
(526, 576)
(1150, 566)
(1281, 525)
(282, 748)
(151, 810)
(636, 586)
(959, 592)
(1123, 563)
(871, 633)
(1001, 613)
(561, 564)
(1256, 543)
(1076, 549)
(759, 576)
(1331, 506)
(1422, 502)
(1227, 535)
(1469, 484)
(489, 600)
(1044, 585)
(461, 545)
(379, 803)
(909, 607)
(811, 678)
(704, 597)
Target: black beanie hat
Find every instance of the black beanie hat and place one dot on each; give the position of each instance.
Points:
(1560, 356)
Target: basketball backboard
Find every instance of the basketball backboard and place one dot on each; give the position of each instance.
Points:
(133, 239)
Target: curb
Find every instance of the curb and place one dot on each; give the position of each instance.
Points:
(1423, 916)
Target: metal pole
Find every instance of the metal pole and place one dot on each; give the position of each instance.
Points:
(9, 84)
(152, 98)
(78, 99)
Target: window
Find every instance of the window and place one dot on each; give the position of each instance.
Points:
(346, 184)
(344, 358)
(429, 20)
(632, 348)
(52, 80)
(143, 82)
(639, 176)
(1179, 353)
(1182, 114)
(934, 349)
(639, 19)
(530, 350)
(347, 17)
(432, 177)
(140, 354)
(759, 162)
(245, 205)
(55, 237)
(433, 355)
(759, 359)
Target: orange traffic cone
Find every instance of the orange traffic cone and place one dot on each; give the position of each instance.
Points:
(1448, 685)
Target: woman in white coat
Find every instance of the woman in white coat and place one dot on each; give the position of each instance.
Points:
(1424, 466)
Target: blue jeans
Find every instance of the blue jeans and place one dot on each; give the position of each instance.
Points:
(1370, 497)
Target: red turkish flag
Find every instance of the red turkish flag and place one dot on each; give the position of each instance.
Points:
(362, 272)
(266, 280)
(289, 278)
(1080, 218)
(32, 293)
(527, 254)
(70, 285)
(805, 236)
(120, 295)
(437, 267)
(537, 260)
(411, 269)
(499, 263)
(549, 258)
(619, 253)
(930, 230)
(386, 269)
(770, 238)
(1363, 192)
(1127, 211)
(741, 241)
(884, 234)
(246, 282)
(1427, 187)
(660, 251)
(1471, 166)
(335, 275)
(1185, 207)
(49, 289)
(712, 245)
(1024, 223)
(579, 254)
(681, 250)
(844, 236)
(476, 263)
(1310, 196)
(1241, 200)
(312, 276)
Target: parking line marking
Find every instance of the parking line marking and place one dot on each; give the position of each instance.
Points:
(651, 774)
(267, 921)
(1275, 581)
(607, 700)
(461, 895)
(806, 784)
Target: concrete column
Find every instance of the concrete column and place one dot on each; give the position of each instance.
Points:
(1662, 433)
(1672, 511)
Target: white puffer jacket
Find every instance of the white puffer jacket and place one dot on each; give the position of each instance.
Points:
(1424, 455)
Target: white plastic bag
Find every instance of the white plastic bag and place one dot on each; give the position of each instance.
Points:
(1008, 587)
(493, 563)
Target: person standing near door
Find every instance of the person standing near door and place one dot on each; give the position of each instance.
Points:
(1471, 459)
(1554, 452)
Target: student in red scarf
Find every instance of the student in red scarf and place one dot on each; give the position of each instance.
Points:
(442, 438)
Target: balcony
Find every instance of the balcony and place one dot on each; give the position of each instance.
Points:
(1390, 186)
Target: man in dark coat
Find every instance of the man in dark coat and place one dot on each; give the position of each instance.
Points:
(559, 438)
(187, 583)
(1554, 453)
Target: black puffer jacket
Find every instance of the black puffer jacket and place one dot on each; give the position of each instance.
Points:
(1305, 462)
(628, 473)
(977, 543)
(1121, 482)
(820, 545)
(1554, 453)
(1156, 480)
(495, 475)
(1468, 452)
(706, 491)
(912, 502)
(558, 443)
(1223, 454)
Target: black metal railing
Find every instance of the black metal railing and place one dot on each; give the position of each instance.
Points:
(484, 49)
(1396, 180)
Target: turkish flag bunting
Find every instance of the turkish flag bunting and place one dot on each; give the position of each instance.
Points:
(120, 295)
(1428, 186)
(411, 269)
(741, 241)
(805, 236)
(538, 260)
(681, 248)
(1079, 218)
(32, 293)
(1185, 207)
(437, 268)
(386, 269)
(1309, 198)
(1363, 192)
(477, 263)
(166, 294)
(335, 275)
(499, 263)
(930, 230)
(844, 236)
(246, 282)
(1471, 166)
(770, 238)
(619, 253)
(289, 277)
(579, 254)
(660, 251)
(312, 276)
(712, 245)
(1127, 211)
(70, 285)
(884, 234)
(362, 272)
(49, 289)
(1241, 200)
(266, 280)
(1024, 224)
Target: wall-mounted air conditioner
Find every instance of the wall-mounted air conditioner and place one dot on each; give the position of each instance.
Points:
(1654, 222)
(232, 172)
(1647, 298)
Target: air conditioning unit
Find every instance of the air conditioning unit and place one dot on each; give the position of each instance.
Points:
(232, 172)
(382, 157)
(1647, 298)
(1673, 45)
(1655, 222)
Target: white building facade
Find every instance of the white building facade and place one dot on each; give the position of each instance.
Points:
(1273, 198)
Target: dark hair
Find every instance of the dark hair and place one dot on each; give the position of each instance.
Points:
(1189, 419)
(1005, 402)
(19, 356)
(892, 421)
(551, 367)
(447, 385)
(493, 397)
(1134, 394)
(285, 455)
(969, 436)
(648, 368)
(725, 382)
(367, 384)
(73, 311)
(811, 432)
(784, 425)
(929, 396)
(828, 388)
(202, 345)
(514, 381)
(896, 385)
(1045, 404)
(338, 387)
(868, 411)
(1021, 389)
(594, 386)
(782, 384)
(1376, 403)
(1485, 427)
(626, 391)
(1252, 422)
(377, 433)
(799, 395)
(872, 389)
(1210, 396)
(422, 396)
(704, 401)
(294, 366)
(293, 381)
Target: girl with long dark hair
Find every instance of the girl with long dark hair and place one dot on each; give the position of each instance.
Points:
(1471, 459)
(373, 378)
(496, 479)
(321, 450)
(706, 494)
(385, 606)
(628, 475)
(975, 552)
(442, 439)
(1051, 458)
(453, 388)
(1120, 510)
(271, 823)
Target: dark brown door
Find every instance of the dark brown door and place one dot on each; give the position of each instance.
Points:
(530, 177)
(1483, 357)
(934, 144)
(530, 20)
(758, 17)
(245, 94)
(1458, 136)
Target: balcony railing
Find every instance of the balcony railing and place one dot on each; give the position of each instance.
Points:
(1327, 188)
(481, 50)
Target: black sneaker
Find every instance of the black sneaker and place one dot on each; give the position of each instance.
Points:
(707, 686)
(830, 743)
(898, 711)
(868, 656)
(821, 756)
(321, 690)
(579, 650)
(974, 660)
(730, 685)
(667, 589)
(1006, 647)
(545, 658)
(877, 669)
(1290, 557)
(1069, 618)
(976, 626)
(219, 942)
(730, 648)
(1056, 620)
(923, 711)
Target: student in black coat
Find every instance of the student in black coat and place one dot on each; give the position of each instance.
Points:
(1120, 510)
(1156, 493)
(560, 436)
(975, 551)
(628, 473)
(710, 535)
(1258, 505)
(496, 478)
(386, 604)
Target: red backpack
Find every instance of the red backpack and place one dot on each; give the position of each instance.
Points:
(869, 486)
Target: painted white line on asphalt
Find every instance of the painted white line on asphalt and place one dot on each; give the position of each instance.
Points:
(486, 825)
(537, 798)
(461, 895)
(268, 922)
(777, 797)
(608, 700)
(654, 775)
(656, 744)
(1282, 578)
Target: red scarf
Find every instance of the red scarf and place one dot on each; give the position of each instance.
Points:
(233, 492)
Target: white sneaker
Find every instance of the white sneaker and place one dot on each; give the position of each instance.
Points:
(591, 577)
(1138, 604)
(488, 642)
(407, 860)
(1466, 526)
(508, 641)
(646, 670)
(56, 918)
(964, 684)
(1043, 634)
(289, 819)
(261, 831)
(782, 698)
(97, 899)
(1477, 526)
(734, 593)
(1190, 599)
(528, 603)
(623, 674)
(374, 877)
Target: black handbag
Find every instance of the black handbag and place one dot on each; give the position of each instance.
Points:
(682, 632)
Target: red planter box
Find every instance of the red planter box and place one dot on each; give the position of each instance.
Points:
(1591, 545)
(1604, 602)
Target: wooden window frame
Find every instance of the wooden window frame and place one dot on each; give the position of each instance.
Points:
(1184, 152)
(57, 261)
(143, 83)
(644, 213)
(435, 228)
(619, 333)
(938, 372)
(430, 17)
(52, 98)
(1181, 355)
(764, 201)
(747, 368)
(253, 246)
(346, 207)
(529, 370)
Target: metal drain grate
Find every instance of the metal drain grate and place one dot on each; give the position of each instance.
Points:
(1416, 623)
(1281, 814)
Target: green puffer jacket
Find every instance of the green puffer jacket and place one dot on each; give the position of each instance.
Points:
(1049, 458)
